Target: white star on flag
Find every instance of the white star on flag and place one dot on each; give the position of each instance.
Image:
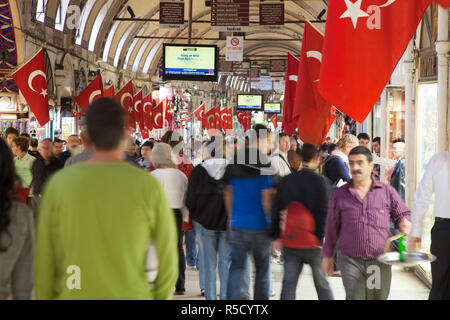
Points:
(44, 92)
(130, 109)
(354, 11)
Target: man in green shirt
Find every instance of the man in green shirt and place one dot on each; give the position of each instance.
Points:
(97, 220)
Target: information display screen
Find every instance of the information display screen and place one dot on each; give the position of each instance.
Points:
(250, 102)
(273, 107)
(190, 62)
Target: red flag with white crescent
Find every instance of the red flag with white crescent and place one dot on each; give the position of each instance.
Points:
(138, 113)
(230, 118)
(147, 109)
(364, 41)
(31, 79)
(157, 116)
(224, 118)
(290, 86)
(93, 91)
(125, 97)
(217, 117)
(312, 113)
(210, 119)
(200, 112)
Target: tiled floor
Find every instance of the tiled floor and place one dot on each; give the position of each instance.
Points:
(405, 285)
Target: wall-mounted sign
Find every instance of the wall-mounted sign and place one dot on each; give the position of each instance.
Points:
(271, 14)
(230, 15)
(277, 65)
(226, 68)
(254, 73)
(171, 14)
(234, 49)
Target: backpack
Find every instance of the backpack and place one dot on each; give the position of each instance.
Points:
(325, 171)
(298, 227)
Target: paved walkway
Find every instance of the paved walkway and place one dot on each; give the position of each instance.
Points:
(405, 285)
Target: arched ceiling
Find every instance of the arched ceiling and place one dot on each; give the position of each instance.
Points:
(115, 41)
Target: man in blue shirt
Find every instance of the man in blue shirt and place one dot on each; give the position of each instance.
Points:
(248, 196)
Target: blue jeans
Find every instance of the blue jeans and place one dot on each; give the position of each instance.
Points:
(294, 259)
(258, 243)
(246, 277)
(201, 264)
(215, 246)
(191, 248)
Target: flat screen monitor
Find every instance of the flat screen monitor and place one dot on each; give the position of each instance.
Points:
(190, 62)
(272, 107)
(248, 102)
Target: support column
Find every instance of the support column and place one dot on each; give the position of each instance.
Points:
(442, 49)
(384, 137)
(410, 126)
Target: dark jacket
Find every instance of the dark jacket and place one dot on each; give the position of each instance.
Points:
(248, 163)
(63, 156)
(335, 169)
(308, 188)
(41, 172)
(204, 197)
(398, 178)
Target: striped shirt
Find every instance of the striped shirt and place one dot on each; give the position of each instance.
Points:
(362, 227)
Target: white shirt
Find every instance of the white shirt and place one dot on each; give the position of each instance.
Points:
(383, 161)
(436, 179)
(280, 166)
(174, 183)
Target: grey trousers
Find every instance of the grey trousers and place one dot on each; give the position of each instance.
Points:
(364, 279)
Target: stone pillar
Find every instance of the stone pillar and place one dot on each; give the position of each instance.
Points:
(384, 137)
(442, 49)
(410, 126)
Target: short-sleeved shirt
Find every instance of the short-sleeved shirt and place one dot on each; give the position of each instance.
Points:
(247, 212)
(23, 169)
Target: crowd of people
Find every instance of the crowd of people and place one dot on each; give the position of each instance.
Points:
(108, 211)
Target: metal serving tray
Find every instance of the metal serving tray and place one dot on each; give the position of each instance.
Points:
(413, 258)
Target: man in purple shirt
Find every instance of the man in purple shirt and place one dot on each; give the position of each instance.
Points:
(358, 220)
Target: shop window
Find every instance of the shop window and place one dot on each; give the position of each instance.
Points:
(395, 115)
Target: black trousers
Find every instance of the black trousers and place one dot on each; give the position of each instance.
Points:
(440, 268)
(180, 285)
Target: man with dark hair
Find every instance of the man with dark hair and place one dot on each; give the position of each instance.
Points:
(58, 146)
(376, 143)
(280, 163)
(26, 135)
(10, 134)
(305, 196)
(107, 212)
(248, 194)
(364, 139)
(146, 151)
(43, 168)
(33, 151)
(358, 222)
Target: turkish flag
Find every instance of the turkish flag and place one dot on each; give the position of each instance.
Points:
(224, 118)
(210, 119)
(240, 116)
(364, 41)
(245, 119)
(147, 109)
(157, 116)
(109, 92)
(166, 110)
(138, 113)
(312, 113)
(125, 97)
(199, 113)
(93, 91)
(217, 117)
(288, 123)
(274, 120)
(31, 79)
(230, 118)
